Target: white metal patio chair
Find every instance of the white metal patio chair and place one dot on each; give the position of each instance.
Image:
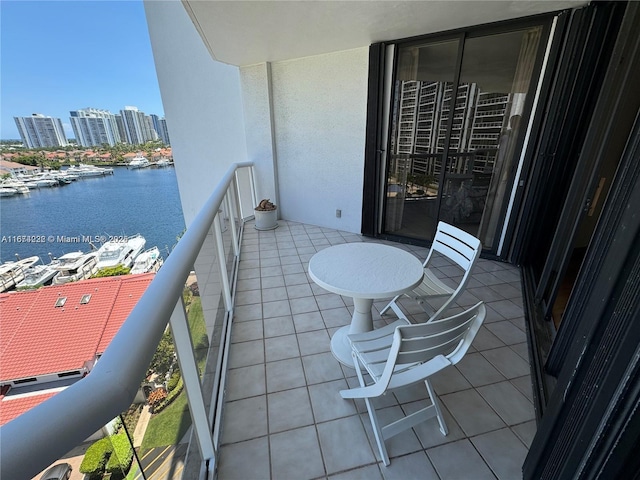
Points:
(402, 354)
(458, 246)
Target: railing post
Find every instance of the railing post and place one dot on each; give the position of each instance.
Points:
(252, 183)
(222, 261)
(191, 379)
(232, 220)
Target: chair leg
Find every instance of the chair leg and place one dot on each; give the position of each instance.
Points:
(377, 431)
(427, 307)
(394, 306)
(389, 305)
(436, 406)
(373, 417)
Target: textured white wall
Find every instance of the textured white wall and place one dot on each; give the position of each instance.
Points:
(302, 121)
(203, 108)
(202, 104)
(256, 97)
(319, 117)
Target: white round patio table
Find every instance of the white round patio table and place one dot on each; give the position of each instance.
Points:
(364, 272)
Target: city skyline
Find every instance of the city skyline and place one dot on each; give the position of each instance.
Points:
(62, 56)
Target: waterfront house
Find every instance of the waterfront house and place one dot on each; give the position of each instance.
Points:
(514, 120)
(14, 169)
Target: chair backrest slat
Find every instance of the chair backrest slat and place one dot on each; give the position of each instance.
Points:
(421, 356)
(456, 244)
(419, 343)
(419, 350)
(425, 341)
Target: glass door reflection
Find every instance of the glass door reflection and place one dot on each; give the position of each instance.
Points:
(456, 132)
(419, 124)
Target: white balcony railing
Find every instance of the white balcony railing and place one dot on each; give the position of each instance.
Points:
(45, 433)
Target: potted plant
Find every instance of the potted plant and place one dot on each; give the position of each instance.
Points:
(266, 215)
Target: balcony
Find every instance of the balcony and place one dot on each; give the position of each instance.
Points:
(270, 393)
(283, 416)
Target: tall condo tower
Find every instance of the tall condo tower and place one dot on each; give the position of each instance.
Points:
(160, 126)
(95, 127)
(39, 131)
(138, 127)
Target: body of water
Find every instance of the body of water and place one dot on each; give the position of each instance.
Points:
(63, 219)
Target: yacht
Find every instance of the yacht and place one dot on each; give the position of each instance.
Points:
(45, 181)
(75, 266)
(12, 273)
(163, 162)
(84, 170)
(120, 252)
(7, 192)
(139, 162)
(14, 184)
(38, 275)
(148, 261)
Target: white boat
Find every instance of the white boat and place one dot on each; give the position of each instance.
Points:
(11, 273)
(163, 162)
(45, 182)
(38, 275)
(148, 261)
(14, 184)
(139, 162)
(84, 170)
(8, 192)
(124, 252)
(62, 178)
(75, 266)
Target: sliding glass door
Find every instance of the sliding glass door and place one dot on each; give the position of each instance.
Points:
(459, 107)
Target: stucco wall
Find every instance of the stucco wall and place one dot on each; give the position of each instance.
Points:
(302, 121)
(202, 104)
(257, 107)
(203, 108)
(319, 117)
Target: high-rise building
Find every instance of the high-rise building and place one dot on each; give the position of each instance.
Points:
(150, 132)
(39, 131)
(422, 116)
(132, 120)
(160, 126)
(94, 127)
(138, 127)
(121, 130)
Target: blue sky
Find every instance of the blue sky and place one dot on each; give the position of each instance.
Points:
(58, 56)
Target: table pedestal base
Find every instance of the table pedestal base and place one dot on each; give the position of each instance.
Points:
(362, 321)
(341, 348)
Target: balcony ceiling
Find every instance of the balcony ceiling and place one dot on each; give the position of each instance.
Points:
(250, 32)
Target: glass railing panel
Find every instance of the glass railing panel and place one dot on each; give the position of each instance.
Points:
(148, 440)
(192, 293)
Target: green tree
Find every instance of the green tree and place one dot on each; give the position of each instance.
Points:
(112, 271)
(164, 356)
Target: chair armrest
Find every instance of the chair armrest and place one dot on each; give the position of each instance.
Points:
(374, 390)
(377, 333)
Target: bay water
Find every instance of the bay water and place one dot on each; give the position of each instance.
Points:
(57, 220)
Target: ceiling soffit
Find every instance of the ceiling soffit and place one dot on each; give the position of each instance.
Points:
(250, 32)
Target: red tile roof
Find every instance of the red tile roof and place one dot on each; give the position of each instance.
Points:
(38, 338)
(12, 406)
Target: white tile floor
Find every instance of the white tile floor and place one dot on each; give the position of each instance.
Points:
(284, 417)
